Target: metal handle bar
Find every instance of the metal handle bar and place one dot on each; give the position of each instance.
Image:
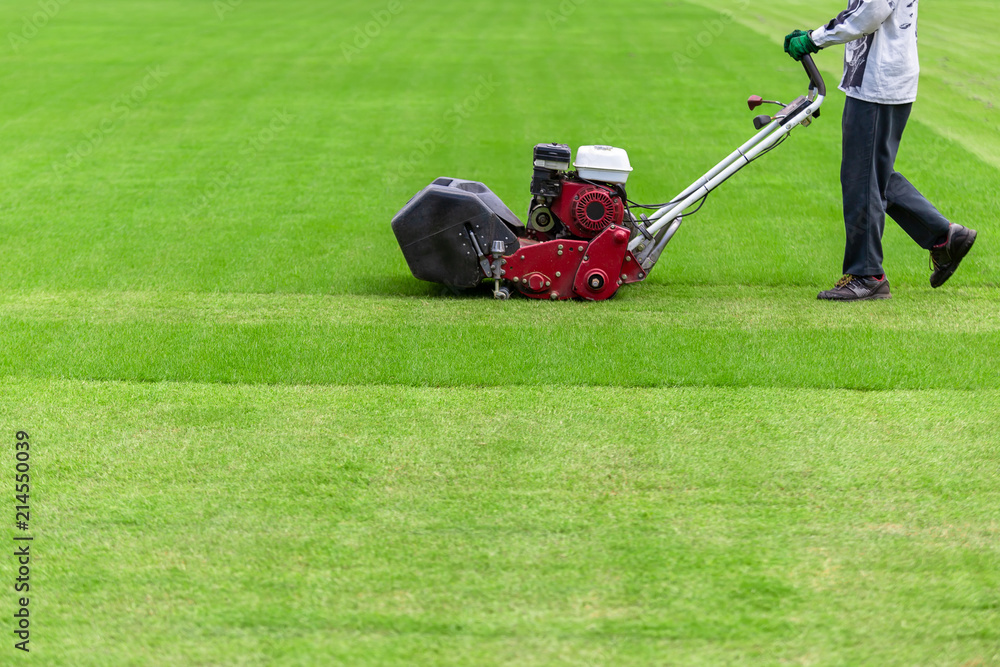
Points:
(669, 217)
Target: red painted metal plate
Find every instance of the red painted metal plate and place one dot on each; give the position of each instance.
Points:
(545, 269)
(632, 271)
(600, 273)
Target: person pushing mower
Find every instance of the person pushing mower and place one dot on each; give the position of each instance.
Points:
(881, 71)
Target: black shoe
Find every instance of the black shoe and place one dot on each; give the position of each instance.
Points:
(945, 260)
(856, 288)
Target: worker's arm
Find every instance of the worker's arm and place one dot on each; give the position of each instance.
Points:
(861, 18)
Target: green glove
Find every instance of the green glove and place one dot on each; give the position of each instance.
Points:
(789, 36)
(798, 44)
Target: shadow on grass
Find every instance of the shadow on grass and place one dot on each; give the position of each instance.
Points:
(411, 287)
(408, 286)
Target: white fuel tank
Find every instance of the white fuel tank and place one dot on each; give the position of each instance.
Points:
(603, 163)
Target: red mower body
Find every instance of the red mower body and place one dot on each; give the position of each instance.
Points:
(567, 268)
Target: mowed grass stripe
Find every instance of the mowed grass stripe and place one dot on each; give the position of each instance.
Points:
(182, 193)
(373, 525)
(648, 336)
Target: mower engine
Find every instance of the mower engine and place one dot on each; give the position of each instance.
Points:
(576, 223)
(575, 243)
(566, 204)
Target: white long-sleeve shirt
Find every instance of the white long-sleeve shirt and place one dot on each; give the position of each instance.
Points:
(880, 61)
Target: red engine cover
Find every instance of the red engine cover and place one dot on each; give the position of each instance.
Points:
(587, 209)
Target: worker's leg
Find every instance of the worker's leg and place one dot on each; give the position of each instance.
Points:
(914, 213)
(871, 140)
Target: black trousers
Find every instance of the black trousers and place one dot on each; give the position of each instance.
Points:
(872, 187)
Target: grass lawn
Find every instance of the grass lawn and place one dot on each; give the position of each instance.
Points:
(257, 440)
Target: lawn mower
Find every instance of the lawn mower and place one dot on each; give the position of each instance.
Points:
(582, 238)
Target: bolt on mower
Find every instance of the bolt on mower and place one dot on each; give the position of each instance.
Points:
(582, 238)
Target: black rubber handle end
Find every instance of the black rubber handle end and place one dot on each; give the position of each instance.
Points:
(815, 78)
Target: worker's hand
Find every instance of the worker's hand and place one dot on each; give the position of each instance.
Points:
(789, 36)
(798, 44)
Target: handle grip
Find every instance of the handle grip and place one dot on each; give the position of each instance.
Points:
(815, 78)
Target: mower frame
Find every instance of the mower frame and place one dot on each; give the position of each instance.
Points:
(659, 228)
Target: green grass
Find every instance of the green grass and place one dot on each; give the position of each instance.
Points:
(258, 440)
(373, 525)
(648, 336)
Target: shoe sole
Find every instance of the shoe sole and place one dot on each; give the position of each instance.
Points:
(963, 251)
(873, 297)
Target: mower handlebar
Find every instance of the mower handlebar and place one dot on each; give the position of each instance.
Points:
(815, 78)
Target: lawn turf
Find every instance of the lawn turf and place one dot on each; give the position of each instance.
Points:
(742, 336)
(214, 524)
(258, 440)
